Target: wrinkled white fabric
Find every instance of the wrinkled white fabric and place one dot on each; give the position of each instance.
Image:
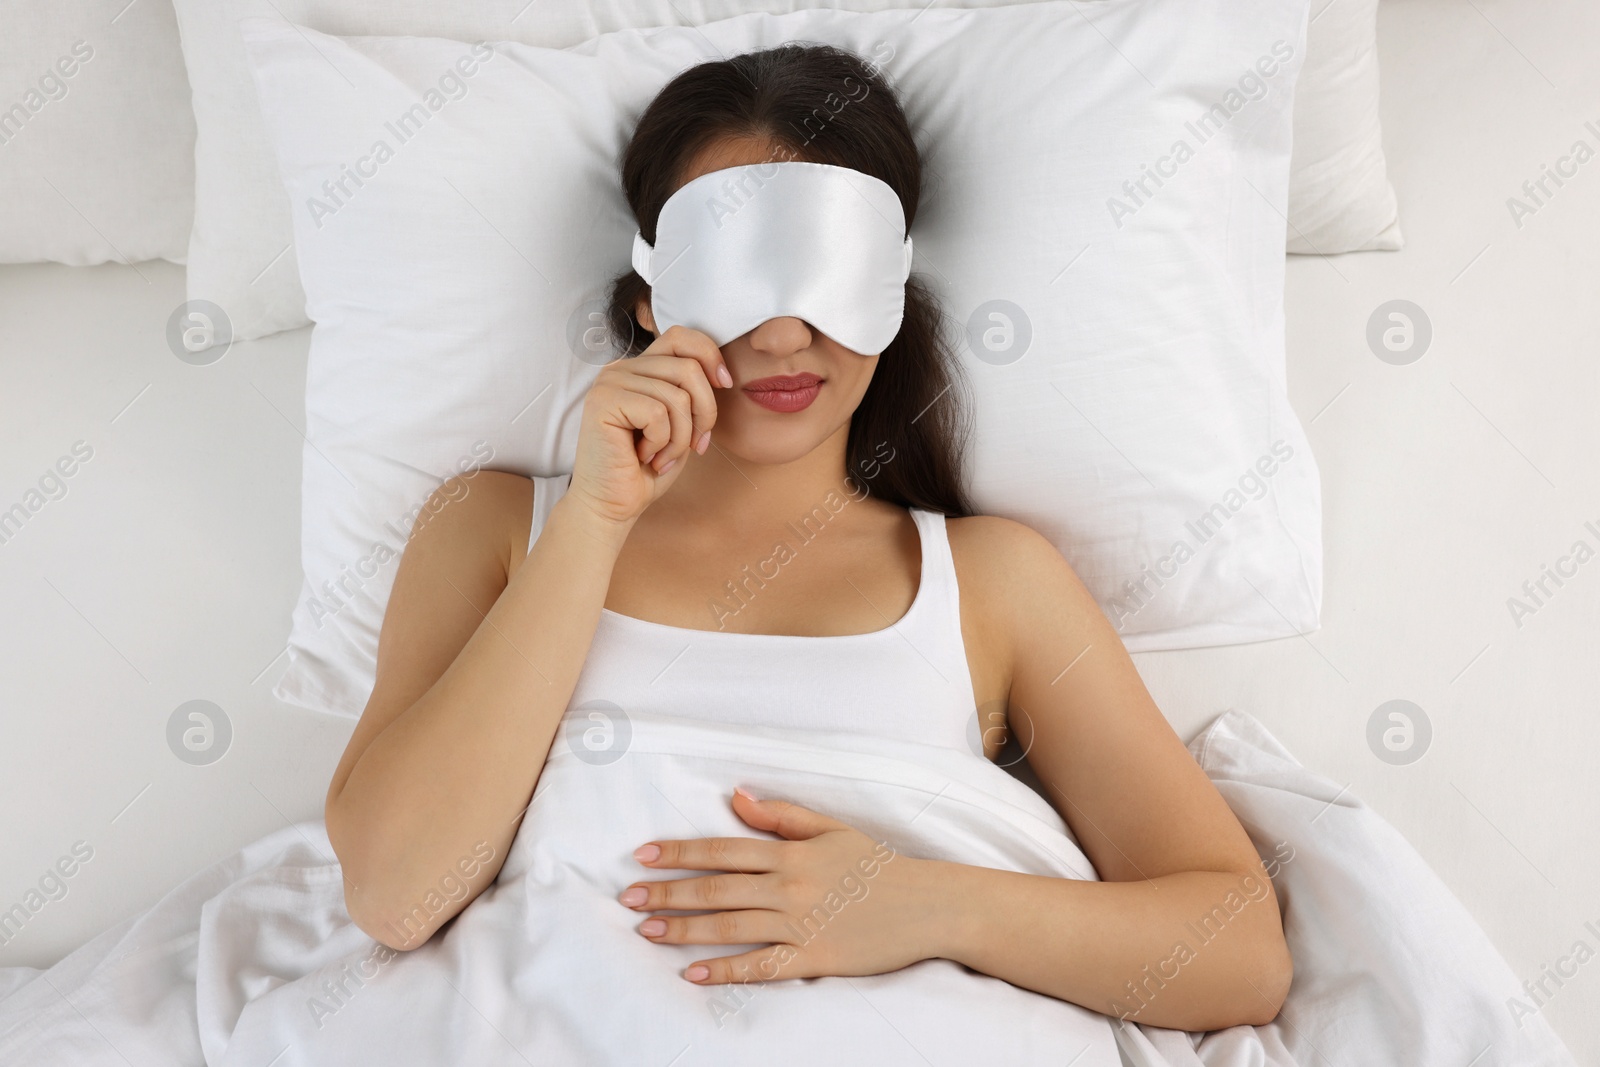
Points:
(249, 956)
(742, 245)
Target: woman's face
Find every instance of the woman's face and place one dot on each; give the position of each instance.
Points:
(766, 421)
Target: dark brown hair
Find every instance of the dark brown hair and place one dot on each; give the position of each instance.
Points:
(819, 104)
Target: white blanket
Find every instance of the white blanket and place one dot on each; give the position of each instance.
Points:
(255, 961)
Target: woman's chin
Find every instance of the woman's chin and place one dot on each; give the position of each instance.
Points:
(766, 448)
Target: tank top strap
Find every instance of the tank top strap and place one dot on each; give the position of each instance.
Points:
(934, 626)
(938, 565)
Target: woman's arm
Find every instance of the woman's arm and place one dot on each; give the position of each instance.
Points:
(474, 673)
(1184, 929)
(1197, 950)
(478, 656)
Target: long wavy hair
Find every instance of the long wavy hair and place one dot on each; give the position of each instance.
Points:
(819, 104)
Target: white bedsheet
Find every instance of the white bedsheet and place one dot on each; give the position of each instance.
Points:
(255, 961)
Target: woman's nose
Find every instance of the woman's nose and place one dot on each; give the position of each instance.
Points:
(781, 335)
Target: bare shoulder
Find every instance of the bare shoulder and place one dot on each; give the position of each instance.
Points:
(1018, 595)
(486, 511)
(988, 538)
(1007, 564)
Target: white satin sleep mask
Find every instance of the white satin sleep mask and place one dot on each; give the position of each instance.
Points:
(742, 245)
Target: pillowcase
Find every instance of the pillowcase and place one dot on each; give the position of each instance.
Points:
(458, 215)
(1340, 199)
(96, 134)
(242, 255)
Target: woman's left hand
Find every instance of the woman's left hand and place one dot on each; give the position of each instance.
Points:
(828, 900)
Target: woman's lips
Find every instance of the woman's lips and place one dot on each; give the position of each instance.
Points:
(784, 392)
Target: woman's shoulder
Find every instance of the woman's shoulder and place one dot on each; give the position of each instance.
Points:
(998, 545)
(479, 512)
(1004, 565)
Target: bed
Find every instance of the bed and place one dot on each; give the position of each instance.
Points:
(1448, 483)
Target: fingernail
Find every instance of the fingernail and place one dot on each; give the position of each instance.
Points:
(647, 853)
(724, 377)
(698, 973)
(653, 927)
(742, 791)
(635, 896)
(704, 443)
(665, 467)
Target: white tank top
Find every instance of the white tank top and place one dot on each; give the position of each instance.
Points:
(908, 681)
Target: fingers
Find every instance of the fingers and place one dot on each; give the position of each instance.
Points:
(678, 370)
(649, 415)
(696, 345)
(752, 927)
(785, 819)
(757, 965)
(743, 854)
(687, 368)
(679, 425)
(700, 403)
(706, 893)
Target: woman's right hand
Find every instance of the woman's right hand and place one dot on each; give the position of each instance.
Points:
(640, 418)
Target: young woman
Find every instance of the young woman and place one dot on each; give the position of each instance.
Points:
(691, 456)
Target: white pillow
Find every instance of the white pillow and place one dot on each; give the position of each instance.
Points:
(1340, 199)
(242, 255)
(96, 134)
(1144, 384)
